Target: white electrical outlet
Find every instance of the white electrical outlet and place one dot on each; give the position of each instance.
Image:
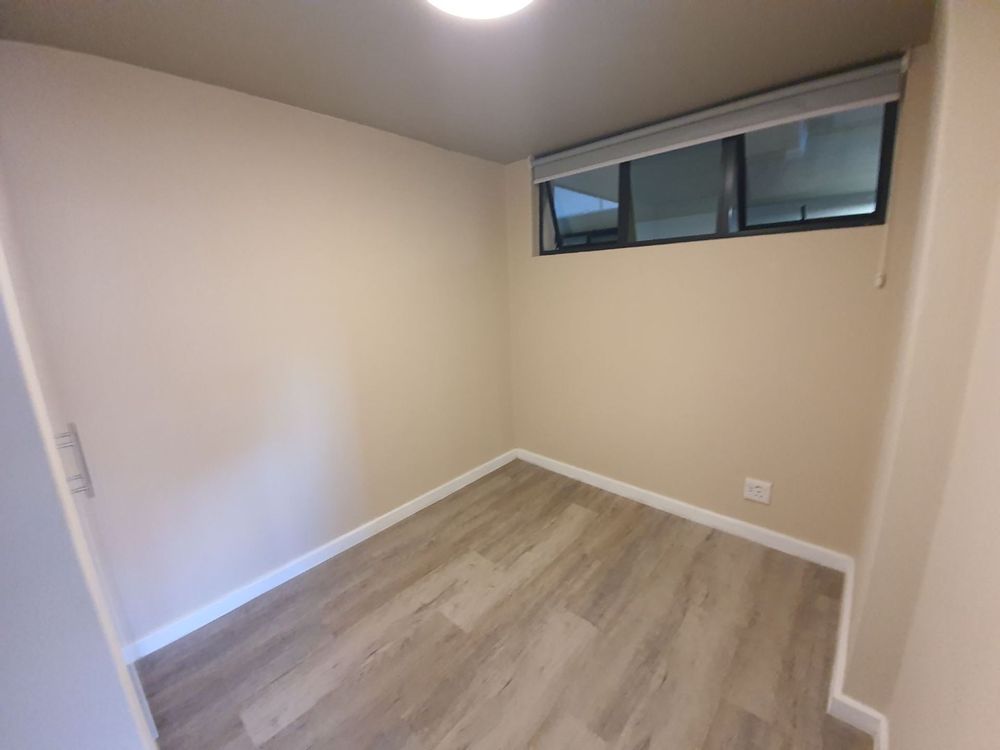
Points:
(757, 490)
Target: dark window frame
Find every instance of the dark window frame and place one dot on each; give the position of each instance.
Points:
(731, 218)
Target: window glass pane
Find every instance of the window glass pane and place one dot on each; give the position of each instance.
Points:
(676, 194)
(586, 207)
(814, 169)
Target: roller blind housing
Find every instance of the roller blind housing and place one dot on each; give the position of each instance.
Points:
(875, 84)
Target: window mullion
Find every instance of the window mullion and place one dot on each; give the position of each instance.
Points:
(887, 146)
(728, 219)
(625, 203)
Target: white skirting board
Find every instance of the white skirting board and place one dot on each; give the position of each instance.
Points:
(773, 539)
(190, 622)
(841, 706)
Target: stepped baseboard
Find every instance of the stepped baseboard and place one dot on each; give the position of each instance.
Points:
(860, 716)
(828, 558)
(841, 706)
(189, 623)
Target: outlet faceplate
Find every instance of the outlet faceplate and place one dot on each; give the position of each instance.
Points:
(757, 490)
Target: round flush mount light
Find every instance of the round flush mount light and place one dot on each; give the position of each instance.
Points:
(480, 9)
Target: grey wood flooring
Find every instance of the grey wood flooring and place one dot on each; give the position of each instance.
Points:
(526, 611)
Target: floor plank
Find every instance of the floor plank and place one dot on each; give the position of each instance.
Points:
(527, 610)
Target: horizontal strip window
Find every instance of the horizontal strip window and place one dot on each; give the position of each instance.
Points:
(829, 170)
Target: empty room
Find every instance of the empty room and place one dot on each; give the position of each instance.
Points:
(499, 375)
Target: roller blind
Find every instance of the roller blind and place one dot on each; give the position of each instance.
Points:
(874, 84)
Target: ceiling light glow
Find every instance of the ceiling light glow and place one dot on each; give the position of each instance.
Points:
(480, 9)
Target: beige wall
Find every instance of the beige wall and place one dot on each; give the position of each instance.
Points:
(62, 680)
(270, 325)
(948, 689)
(685, 368)
(952, 251)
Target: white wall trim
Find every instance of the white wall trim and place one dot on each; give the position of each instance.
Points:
(190, 622)
(882, 738)
(828, 558)
(860, 716)
(840, 705)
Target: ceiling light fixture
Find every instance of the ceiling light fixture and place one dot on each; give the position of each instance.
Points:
(480, 9)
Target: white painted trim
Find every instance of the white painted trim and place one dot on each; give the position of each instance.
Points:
(204, 615)
(860, 716)
(882, 738)
(840, 705)
(828, 558)
(843, 633)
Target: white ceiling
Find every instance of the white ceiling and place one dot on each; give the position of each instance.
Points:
(558, 73)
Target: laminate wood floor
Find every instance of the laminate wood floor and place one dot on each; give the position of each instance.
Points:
(526, 611)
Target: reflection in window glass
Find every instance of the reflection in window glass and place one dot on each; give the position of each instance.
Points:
(814, 169)
(819, 172)
(676, 194)
(586, 207)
